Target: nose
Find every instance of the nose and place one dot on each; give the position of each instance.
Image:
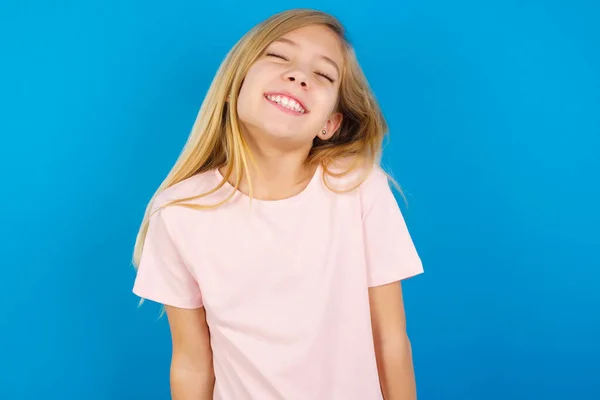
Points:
(298, 77)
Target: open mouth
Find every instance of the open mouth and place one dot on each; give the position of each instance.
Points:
(286, 103)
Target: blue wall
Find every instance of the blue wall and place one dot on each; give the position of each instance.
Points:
(495, 115)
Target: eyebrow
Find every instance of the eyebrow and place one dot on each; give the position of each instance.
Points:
(325, 58)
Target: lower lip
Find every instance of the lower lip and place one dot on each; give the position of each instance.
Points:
(285, 109)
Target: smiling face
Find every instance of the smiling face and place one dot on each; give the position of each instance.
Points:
(290, 93)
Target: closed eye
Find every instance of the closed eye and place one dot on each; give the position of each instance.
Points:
(270, 54)
(329, 78)
(276, 55)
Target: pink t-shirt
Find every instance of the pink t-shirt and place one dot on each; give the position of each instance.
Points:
(284, 283)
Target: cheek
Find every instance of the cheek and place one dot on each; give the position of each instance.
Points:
(252, 87)
(244, 100)
(247, 86)
(327, 103)
(333, 101)
(255, 77)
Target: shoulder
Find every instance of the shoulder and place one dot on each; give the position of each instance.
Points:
(348, 175)
(188, 191)
(376, 180)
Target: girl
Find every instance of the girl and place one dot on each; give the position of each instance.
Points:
(275, 244)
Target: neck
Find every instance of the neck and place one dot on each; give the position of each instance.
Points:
(276, 174)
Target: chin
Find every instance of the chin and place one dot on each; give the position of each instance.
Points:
(271, 127)
(283, 135)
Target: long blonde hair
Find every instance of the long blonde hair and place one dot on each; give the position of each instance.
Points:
(216, 140)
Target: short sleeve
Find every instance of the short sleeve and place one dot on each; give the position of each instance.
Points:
(390, 252)
(162, 275)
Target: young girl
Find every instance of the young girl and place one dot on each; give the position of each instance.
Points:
(275, 244)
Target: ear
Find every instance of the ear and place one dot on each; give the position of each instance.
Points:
(331, 126)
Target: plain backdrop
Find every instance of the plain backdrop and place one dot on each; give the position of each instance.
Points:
(494, 113)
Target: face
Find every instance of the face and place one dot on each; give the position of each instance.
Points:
(290, 93)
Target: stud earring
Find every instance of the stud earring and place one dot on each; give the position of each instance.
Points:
(323, 132)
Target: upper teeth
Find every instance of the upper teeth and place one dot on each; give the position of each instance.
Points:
(287, 103)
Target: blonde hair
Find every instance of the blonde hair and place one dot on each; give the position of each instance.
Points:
(216, 140)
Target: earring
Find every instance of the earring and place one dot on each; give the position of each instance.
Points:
(323, 132)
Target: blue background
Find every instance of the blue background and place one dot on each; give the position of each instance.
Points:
(494, 109)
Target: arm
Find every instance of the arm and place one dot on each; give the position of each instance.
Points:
(392, 346)
(192, 374)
